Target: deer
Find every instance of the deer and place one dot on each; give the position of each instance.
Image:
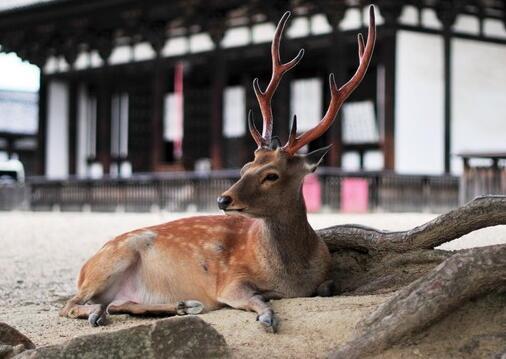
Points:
(261, 248)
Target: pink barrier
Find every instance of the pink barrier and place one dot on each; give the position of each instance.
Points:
(354, 195)
(312, 192)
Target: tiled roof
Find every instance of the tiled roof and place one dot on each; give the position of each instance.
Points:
(14, 4)
(18, 112)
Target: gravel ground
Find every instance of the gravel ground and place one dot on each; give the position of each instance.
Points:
(41, 253)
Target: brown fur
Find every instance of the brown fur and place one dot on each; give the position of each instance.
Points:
(268, 251)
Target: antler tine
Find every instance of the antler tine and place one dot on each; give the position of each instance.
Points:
(278, 70)
(338, 96)
(254, 132)
(293, 132)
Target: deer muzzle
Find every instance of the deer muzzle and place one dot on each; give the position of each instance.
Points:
(224, 202)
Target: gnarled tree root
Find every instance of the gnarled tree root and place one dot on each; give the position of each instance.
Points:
(465, 275)
(481, 212)
(370, 261)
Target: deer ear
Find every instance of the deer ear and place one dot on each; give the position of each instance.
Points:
(313, 159)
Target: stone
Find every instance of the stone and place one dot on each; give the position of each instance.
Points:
(12, 341)
(179, 337)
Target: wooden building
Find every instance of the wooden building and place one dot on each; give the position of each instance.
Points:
(18, 128)
(155, 85)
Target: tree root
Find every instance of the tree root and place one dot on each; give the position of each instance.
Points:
(431, 283)
(465, 275)
(479, 213)
(370, 261)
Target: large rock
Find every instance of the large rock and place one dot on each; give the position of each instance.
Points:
(180, 337)
(12, 341)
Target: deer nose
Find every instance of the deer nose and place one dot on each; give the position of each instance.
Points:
(224, 202)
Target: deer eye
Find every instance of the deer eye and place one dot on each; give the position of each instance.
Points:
(271, 177)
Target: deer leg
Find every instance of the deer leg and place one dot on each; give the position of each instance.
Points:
(326, 289)
(100, 279)
(242, 296)
(95, 313)
(180, 308)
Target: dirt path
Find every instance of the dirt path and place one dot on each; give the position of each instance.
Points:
(41, 253)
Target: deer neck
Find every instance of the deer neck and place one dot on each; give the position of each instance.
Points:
(288, 234)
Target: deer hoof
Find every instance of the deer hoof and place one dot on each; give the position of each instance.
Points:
(326, 289)
(189, 307)
(97, 318)
(269, 321)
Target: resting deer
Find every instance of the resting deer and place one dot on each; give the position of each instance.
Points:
(262, 249)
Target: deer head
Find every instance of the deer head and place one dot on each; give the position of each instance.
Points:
(272, 181)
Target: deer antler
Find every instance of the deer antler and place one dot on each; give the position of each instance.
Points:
(338, 96)
(264, 97)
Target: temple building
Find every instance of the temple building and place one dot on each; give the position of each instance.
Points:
(130, 86)
(18, 128)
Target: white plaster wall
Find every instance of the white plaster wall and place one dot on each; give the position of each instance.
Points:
(479, 98)
(82, 114)
(419, 131)
(57, 130)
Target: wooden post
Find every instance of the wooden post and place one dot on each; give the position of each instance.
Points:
(157, 115)
(105, 45)
(248, 144)
(391, 13)
(72, 126)
(42, 128)
(335, 59)
(156, 36)
(447, 15)
(218, 83)
(447, 99)
(388, 57)
(104, 124)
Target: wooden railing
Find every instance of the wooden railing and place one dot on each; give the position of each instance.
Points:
(194, 191)
(482, 180)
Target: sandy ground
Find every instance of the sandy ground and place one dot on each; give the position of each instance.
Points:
(41, 253)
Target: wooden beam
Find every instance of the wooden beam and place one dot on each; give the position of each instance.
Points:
(248, 144)
(447, 15)
(217, 91)
(389, 63)
(104, 124)
(336, 52)
(391, 12)
(447, 101)
(72, 126)
(42, 126)
(157, 115)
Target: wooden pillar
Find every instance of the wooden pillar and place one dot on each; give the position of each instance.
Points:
(218, 83)
(447, 99)
(217, 90)
(104, 123)
(156, 37)
(72, 125)
(157, 115)
(42, 126)
(104, 47)
(391, 13)
(248, 144)
(335, 64)
(389, 63)
(447, 15)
